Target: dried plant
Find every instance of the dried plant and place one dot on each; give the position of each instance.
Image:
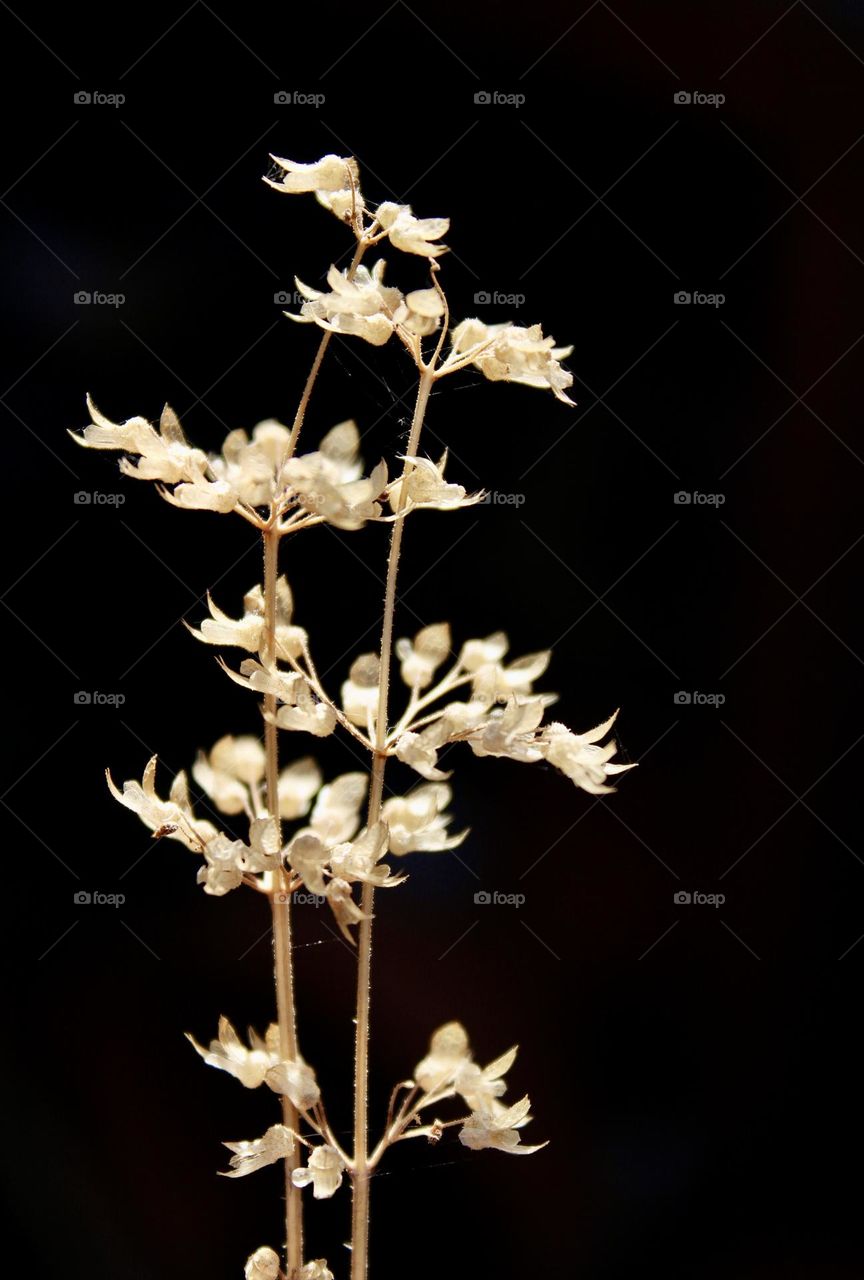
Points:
(480, 699)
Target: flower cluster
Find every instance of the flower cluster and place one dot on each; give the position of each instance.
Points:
(479, 696)
(248, 474)
(357, 303)
(328, 855)
(261, 1063)
(509, 353)
(323, 1170)
(263, 1264)
(502, 715)
(448, 1070)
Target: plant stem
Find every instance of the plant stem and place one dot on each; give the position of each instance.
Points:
(280, 902)
(316, 364)
(361, 1173)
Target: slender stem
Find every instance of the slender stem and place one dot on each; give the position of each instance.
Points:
(362, 1169)
(316, 364)
(280, 902)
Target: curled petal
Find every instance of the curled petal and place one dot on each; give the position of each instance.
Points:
(276, 1144)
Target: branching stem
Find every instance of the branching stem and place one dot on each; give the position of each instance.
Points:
(362, 1167)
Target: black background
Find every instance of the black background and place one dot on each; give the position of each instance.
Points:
(697, 1069)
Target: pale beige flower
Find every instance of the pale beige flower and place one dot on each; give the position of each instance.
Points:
(323, 1170)
(172, 817)
(320, 866)
(422, 312)
(296, 1080)
(229, 1053)
(308, 856)
(316, 1270)
(499, 1129)
(478, 653)
(234, 767)
(410, 234)
(267, 678)
(164, 455)
(329, 482)
(275, 1144)
(420, 750)
(200, 493)
(418, 823)
(511, 730)
(248, 632)
(360, 691)
(298, 784)
(481, 1087)
(252, 469)
(495, 682)
(449, 1066)
(358, 304)
(224, 863)
(336, 815)
(265, 846)
(263, 1264)
(225, 860)
(424, 486)
(578, 755)
(334, 180)
(345, 910)
(421, 657)
(448, 1052)
(307, 714)
(360, 859)
(510, 353)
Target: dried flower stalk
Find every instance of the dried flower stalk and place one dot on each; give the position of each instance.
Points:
(279, 491)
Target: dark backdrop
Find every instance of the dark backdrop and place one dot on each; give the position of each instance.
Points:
(696, 1067)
